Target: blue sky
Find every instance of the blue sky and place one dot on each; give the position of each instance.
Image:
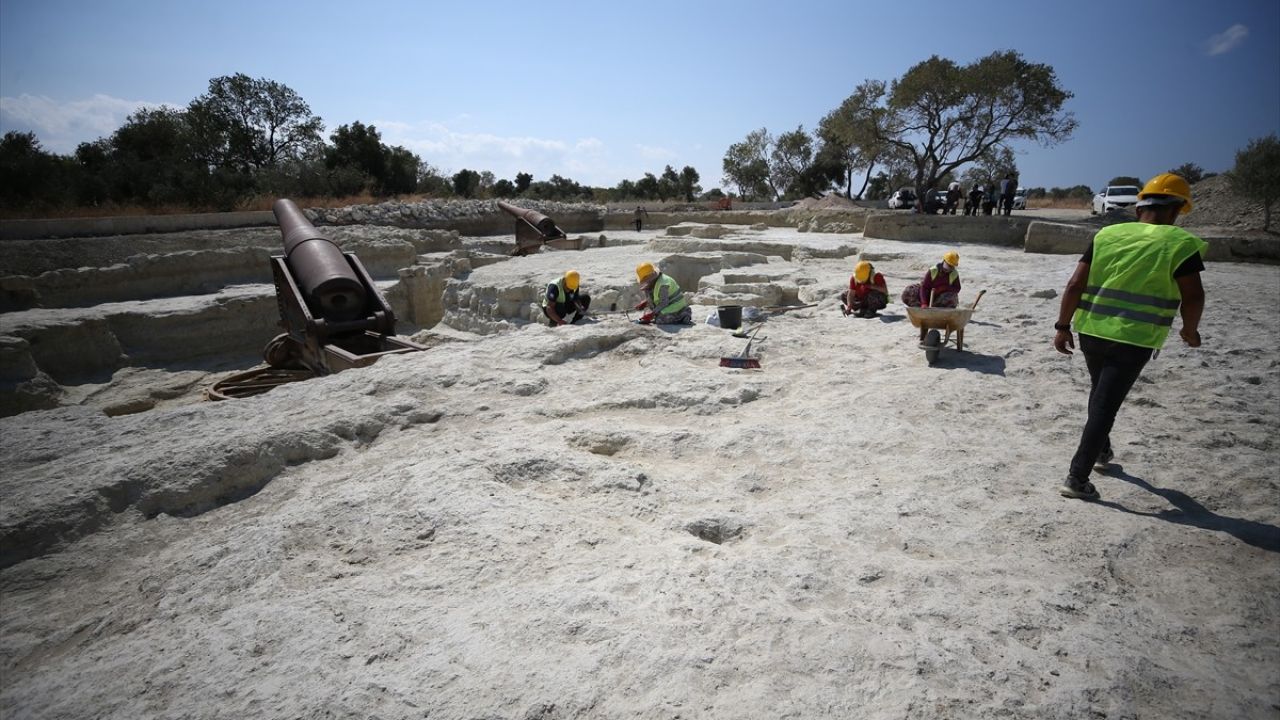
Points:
(602, 91)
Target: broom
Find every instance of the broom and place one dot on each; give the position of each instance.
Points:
(743, 361)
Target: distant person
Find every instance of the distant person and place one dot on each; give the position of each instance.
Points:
(931, 204)
(640, 213)
(867, 292)
(974, 202)
(940, 287)
(1008, 188)
(565, 302)
(988, 199)
(664, 299)
(1123, 297)
(953, 199)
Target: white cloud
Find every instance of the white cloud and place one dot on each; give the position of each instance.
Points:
(582, 160)
(60, 127)
(658, 154)
(1226, 41)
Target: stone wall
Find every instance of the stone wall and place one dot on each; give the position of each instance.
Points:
(130, 225)
(1058, 238)
(1067, 239)
(912, 227)
(655, 219)
(190, 272)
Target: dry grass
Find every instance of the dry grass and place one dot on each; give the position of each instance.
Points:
(1064, 204)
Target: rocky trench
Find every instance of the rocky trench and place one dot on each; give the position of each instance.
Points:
(84, 309)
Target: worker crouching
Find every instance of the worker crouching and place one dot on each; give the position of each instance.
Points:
(565, 301)
(867, 292)
(664, 300)
(940, 287)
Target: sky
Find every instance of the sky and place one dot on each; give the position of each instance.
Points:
(604, 91)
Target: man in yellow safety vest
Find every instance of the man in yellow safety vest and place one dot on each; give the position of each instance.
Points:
(666, 302)
(1123, 297)
(563, 301)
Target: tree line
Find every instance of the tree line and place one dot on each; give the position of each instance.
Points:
(920, 131)
(941, 122)
(248, 137)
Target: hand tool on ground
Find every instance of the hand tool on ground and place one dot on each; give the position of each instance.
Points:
(744, 361)
(779, 309)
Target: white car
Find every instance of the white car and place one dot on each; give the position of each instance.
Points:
(903, 199)
(1115, 197)
(1020, 199)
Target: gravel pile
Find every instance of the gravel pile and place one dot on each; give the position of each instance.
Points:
(1215, 205)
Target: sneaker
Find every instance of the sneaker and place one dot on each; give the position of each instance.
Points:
(1103, 463)
(1079, 489)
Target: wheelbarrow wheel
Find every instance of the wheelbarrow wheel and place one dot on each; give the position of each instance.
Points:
(932, 346)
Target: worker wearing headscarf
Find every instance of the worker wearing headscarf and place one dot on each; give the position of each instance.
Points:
(867, 292)
(940, 287)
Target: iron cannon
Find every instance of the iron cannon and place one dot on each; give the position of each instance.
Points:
(333, 316)
(533, 230)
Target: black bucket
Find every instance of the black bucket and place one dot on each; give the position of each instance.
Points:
(730, 316)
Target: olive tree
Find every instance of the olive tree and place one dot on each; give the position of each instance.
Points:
(790, 157)
(248, 124)
(941, 115)
(689, 186)
(1190, 172)
(848, 135)
(1256, 174)
(746, 164)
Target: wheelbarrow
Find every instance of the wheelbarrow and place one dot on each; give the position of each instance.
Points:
(951, 320)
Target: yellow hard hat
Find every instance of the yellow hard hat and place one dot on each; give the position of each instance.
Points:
(571, 280)
(1167, 184)
(862, 271)
(952, 258)
(644, 270)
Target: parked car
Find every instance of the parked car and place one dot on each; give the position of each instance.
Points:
(1115, 197)
(903, 199)
(1020, 199)
(937, 202)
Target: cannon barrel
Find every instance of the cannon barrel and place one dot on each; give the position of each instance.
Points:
(544, 224)
(326, 278)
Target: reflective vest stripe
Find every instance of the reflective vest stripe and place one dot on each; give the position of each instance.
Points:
(1126, 296)
(560, 296)
(1126, 313)
(675, 303)
(1131, 295)
(952, 276)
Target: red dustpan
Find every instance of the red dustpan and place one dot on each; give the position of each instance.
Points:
(744, 360)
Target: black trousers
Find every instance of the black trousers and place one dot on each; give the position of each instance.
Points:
(570, 312)
(1113, 369)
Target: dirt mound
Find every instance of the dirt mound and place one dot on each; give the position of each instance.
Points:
(1216, 205)
(827, 202)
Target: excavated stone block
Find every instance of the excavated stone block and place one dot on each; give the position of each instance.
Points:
(1058, 238)
(747, 245)
(912, 227)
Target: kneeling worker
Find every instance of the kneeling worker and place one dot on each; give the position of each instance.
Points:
(940, 287)
(663, 298)
(867, 292)
(563, 302)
